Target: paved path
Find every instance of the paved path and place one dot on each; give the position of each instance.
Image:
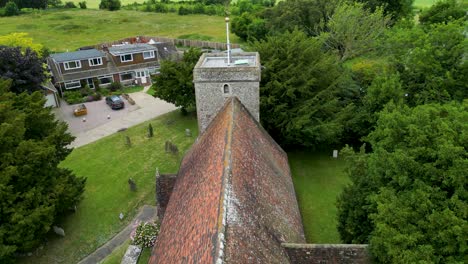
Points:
(150, 108)
(147, 213)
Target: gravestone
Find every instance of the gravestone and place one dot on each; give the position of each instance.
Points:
(59, 231)
(171, 148)
(128, 142)
(121, 216)
(131, 255)
(132, 185)
(335, 153)
(188, 133)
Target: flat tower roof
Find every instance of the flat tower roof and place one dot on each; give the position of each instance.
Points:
(220, 60)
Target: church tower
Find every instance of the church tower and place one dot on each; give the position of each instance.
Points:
(218, 76)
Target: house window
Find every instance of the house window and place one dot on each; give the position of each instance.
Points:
(105, 79)
(141, 74)
(126, 76)
(72, 85)
(95, 62)
(226, 89)
(148, 54)
(70, 65)
(126, 57)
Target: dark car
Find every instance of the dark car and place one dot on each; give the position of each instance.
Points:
(114, 102)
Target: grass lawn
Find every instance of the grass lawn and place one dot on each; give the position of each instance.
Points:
(151, 91)
(108, 164)
(423, 3)
(132, 89)
(62, 30)
(116, 256)
(318, 180)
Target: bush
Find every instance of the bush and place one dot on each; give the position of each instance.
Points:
(11, 9)
(145, 234)
(114, 86)
(54, 3)
(82, 5)
(110, 5)
(183, 11)
(69, 5)
(73, 97)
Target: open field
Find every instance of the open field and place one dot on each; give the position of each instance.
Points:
(318, 180)
(108, 164)
(95, 3)
(424, 3)
(62, 30)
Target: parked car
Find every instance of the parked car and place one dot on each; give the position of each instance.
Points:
(115, 102)
(80, 110)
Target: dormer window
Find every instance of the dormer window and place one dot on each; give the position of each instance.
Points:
(126, 58)
(70, 65)
(226, 89)
(95, 62)
(148, 54)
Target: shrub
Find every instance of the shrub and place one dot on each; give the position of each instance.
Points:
(54, 3)
(183, 11)
(115, 86)
(11, 9)
(145, 234)
(110, 5)
(69, 5)
(82, 5)
(73, 97)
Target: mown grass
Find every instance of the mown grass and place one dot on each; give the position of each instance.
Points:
(95, 3)
(62, 30)
(423, 3)
(116, 256)
(318, 180)
(108, 164)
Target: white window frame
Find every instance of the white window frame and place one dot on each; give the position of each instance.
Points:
(72, 87)
(151, 55)
(105, 76)
(122, 73)
(91, 61)
(122, 57)
(141, 74)
(67, 67)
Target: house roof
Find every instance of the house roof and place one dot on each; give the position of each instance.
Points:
(77, 55)
(234, 200)
(130, 48)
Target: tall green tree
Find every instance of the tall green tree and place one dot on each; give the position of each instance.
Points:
(408, 198)
(397, 9)
(34, 191)
(354, 31)
(24, 69)
(443, 12)
(174, 84)
(303, 92)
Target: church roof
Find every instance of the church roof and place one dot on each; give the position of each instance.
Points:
(234, 200)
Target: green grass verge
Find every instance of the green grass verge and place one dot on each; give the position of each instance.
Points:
(132, 89)
(145, 256)
(318, 180)
(151, 91)
(62, 30)
(108, 164)
(116, 256)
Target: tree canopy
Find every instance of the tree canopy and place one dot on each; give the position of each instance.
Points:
(408, 197)
(23, 68)
(175, 81)
(34, 190)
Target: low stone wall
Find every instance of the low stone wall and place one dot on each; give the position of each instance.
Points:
(327, 253)
(164, 185)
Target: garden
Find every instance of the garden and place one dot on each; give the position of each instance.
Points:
(87, 94)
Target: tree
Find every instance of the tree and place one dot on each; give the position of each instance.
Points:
(397, 9)
(24, 69)
(443, 12)
(111, 5)
(36, 4)
(21, 40)
(408, 197)
(303, 92)
(54, 3)
(354, 31)
(11, 9)
(174, 84)
(430, 61)
(34, 190)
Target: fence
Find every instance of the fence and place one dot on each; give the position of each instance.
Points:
(177, 42)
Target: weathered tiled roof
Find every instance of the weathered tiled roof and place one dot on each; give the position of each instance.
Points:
(130, 48)
(234, 200)
(77, 55)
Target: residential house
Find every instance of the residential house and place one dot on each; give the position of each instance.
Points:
(124, 63)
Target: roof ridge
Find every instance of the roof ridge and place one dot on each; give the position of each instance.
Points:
(225, 190)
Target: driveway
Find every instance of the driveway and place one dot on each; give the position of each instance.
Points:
(98, 125)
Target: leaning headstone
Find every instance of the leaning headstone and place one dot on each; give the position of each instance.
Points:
(132, 185)
(131, 255)
(166, 146)
(128, 142)
(335, 153)
(188, 133)
(150, 130)
(121, 216)
(173, 148)
(59, 231)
